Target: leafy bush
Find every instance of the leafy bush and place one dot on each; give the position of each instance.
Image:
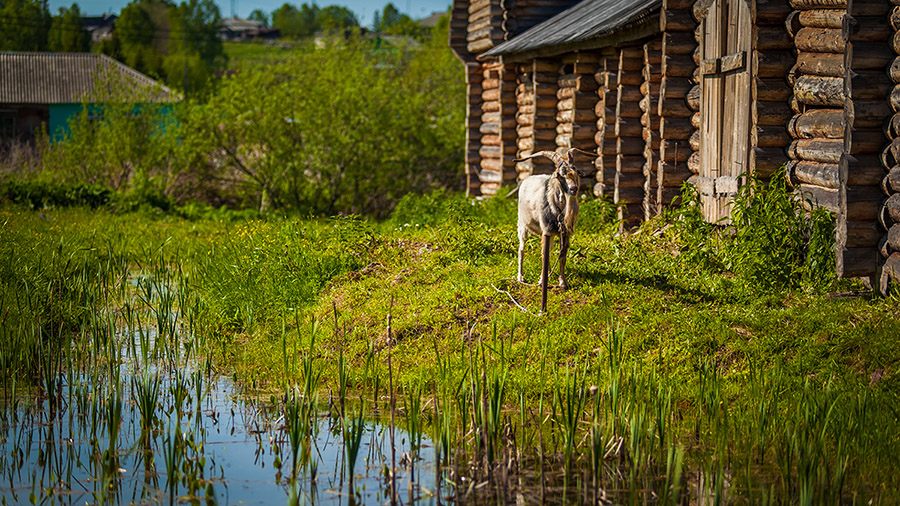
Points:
(42, 195)
(773, 240)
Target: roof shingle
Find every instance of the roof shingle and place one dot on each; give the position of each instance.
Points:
(582, 23)
(65, 78)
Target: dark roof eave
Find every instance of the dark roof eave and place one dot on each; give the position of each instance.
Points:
(645, 28)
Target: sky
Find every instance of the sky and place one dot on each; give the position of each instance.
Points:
(364, 9)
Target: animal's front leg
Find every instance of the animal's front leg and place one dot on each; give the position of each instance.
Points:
(523, 235)
(563, 251)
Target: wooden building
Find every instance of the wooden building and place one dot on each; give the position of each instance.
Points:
(705, 91)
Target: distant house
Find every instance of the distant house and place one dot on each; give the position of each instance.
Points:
(100, 27)
(40, 90)
(235, 29)
(432, 20)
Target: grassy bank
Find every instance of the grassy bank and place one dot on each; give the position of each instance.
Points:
(673, 350)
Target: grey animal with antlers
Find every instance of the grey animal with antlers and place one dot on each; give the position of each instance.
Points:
(548, 207)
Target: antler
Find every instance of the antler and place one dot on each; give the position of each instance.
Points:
(552, 155)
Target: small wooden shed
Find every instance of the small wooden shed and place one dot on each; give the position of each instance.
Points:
(705, 91)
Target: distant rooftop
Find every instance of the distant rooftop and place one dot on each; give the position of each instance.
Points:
(582, 26)
(431, 20)
(66, 78)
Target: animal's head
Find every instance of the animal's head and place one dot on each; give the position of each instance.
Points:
(566, 173)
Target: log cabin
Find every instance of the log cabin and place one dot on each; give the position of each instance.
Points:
(703, 91)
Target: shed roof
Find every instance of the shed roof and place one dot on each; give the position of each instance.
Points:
(65, 78)
(585, 25)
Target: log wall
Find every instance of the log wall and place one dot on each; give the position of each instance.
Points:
(675, 105)
(840, 103)
(629, 181)
(485, 25)
(474, 78)
(650, 122)
(607, 92)
(770, 90)
(889, 211)
(576, 117)
(536, 117)
(497, 128)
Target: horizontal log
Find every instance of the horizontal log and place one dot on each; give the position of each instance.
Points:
(765, 161)
(674, 108)
(696, 119)
(870, 8)
(676, 21)
(628, 127)
(629, 94)
(870, 29)
(861, 234)
(479, 46)
(820, 64)
(675, 128)
(489, 128)
(675, 87)
(630, 164)
(650, 121)
(694, 163)
(769, 136)
(770, 89)
(630, 196)
(892, 207)
(817, 123)
(678, 65)
(891, 182)
(771, 11)
(895, 17)
(675, 154)
(678, 43)
(675, 174)
(819, 174)
(773, 37)
(820, 90)
(870, 113)
(576, 116)
(770, 113)
(802, 5)
(817, 150)
(578, 82)
(693, 98)
(895, 98)
(820, 40)
(630, 146)
(496, 151)
(822, 18)
(628, 110)
(695, 140)
(540, 134)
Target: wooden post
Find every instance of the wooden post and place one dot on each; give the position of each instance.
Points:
(546, 240)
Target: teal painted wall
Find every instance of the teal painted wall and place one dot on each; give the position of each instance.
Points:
(58, 125)
(60, 114)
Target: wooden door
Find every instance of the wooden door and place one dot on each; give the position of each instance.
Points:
(725, 104)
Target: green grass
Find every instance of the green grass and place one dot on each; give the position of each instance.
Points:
(241, 54)
(700, 357)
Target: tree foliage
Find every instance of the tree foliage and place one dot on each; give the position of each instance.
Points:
(339, 129)
(24, 25)
(66, 33)
(308, 19)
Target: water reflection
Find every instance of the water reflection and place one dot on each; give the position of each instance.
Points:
(97, 442)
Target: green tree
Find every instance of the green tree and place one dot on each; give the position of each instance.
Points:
(195, 48)
(136, 33)
(24, 25)
(67, 33)
(294, 22)
(260, 16)
(336, 17)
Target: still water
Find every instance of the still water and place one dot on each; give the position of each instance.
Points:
(207, 444)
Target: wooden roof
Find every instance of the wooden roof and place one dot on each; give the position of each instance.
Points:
(586, 25)
(66, 78)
